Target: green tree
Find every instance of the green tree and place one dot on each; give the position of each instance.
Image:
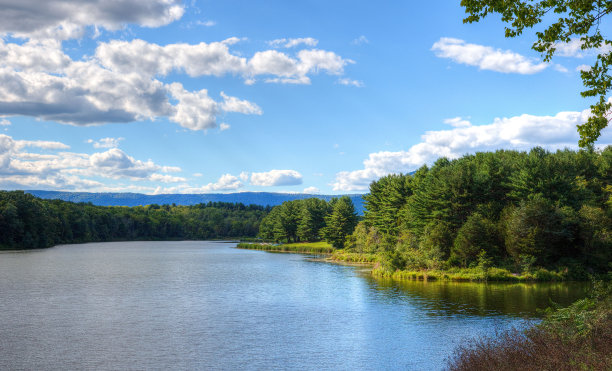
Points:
(312, 219)
(341, 222)
(540, 229)
(476, 235)
(561, 21)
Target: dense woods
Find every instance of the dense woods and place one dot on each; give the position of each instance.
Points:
(504, 208)
(520, 211)
(310, 220)
(28, 222)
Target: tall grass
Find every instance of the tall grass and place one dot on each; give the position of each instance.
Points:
(469, 274)
(301, 247)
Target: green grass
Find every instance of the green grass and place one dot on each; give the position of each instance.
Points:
(352, 257)
(453, 274)
(300, 247)
(470, 274)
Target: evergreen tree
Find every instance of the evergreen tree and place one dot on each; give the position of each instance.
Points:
(341, 222)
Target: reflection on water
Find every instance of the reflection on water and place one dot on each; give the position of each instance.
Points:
(205, 305)
(438, 298)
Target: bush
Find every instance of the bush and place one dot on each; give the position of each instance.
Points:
(575, 338)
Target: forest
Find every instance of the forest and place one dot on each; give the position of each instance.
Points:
(511, 209)
(27, 222)
(310, 220)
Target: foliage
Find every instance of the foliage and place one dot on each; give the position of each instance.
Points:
(532, 213)
(311, 220)
(27, 222)
(476, 235)
(576, 19)
(578, 337)
(340, 223)
(302, 247)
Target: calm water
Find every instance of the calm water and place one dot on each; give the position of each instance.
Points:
(206, 305)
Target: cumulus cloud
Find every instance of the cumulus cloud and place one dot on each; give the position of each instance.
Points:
(120, 82)
(43, 144)
(290, 43)
(223, 126)
(194, 110)
(486, 57)
(519, 132)
(311, 190)
(458, 122)
(105, 142)
(233, 104)
(276, 178)
(226, 182)
(67, 18)
(59, 169)
(5, 122)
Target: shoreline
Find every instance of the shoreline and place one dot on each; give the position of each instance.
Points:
(493, 274)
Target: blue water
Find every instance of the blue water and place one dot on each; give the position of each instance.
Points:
(207, 305)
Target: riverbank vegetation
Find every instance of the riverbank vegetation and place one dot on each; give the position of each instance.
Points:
(578, 337)
(497, 215)
(298, 247)
(504, 215)
(310, 220)
(27, 222)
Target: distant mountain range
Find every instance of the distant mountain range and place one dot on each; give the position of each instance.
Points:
(137, 199)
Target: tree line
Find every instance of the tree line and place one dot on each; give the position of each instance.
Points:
(504, 208)
(28, 222)
(310, 220)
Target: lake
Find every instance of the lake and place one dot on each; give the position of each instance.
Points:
(207, 305)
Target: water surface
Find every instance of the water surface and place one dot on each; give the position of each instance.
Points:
(206, 305)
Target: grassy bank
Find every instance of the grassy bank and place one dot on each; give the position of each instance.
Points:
(470, 274)
(476, 274)
(575, 338)
(301, 247)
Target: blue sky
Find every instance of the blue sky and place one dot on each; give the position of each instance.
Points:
(163, 96)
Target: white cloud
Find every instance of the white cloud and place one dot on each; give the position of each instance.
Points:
(223, 126)
(349, 82)
(276, 178)
(5, 122)
(244, 176)
(361, 40)
(583, 67)
(233, 104)
(519, 132)
(194, 110)
(226, 182)
(166, 178)
(570, 49)
(311, 190)
(67, 18)
(44, 144)
(207, 23)
(290, 43)
(105, 142)
(573, 48)
(289, 70)
(198, 174)
(115, 163)
(458, 122)
(68, 170)
(119, 83)
(485, 57)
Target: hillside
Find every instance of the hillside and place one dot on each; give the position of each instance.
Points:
(138, 199)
